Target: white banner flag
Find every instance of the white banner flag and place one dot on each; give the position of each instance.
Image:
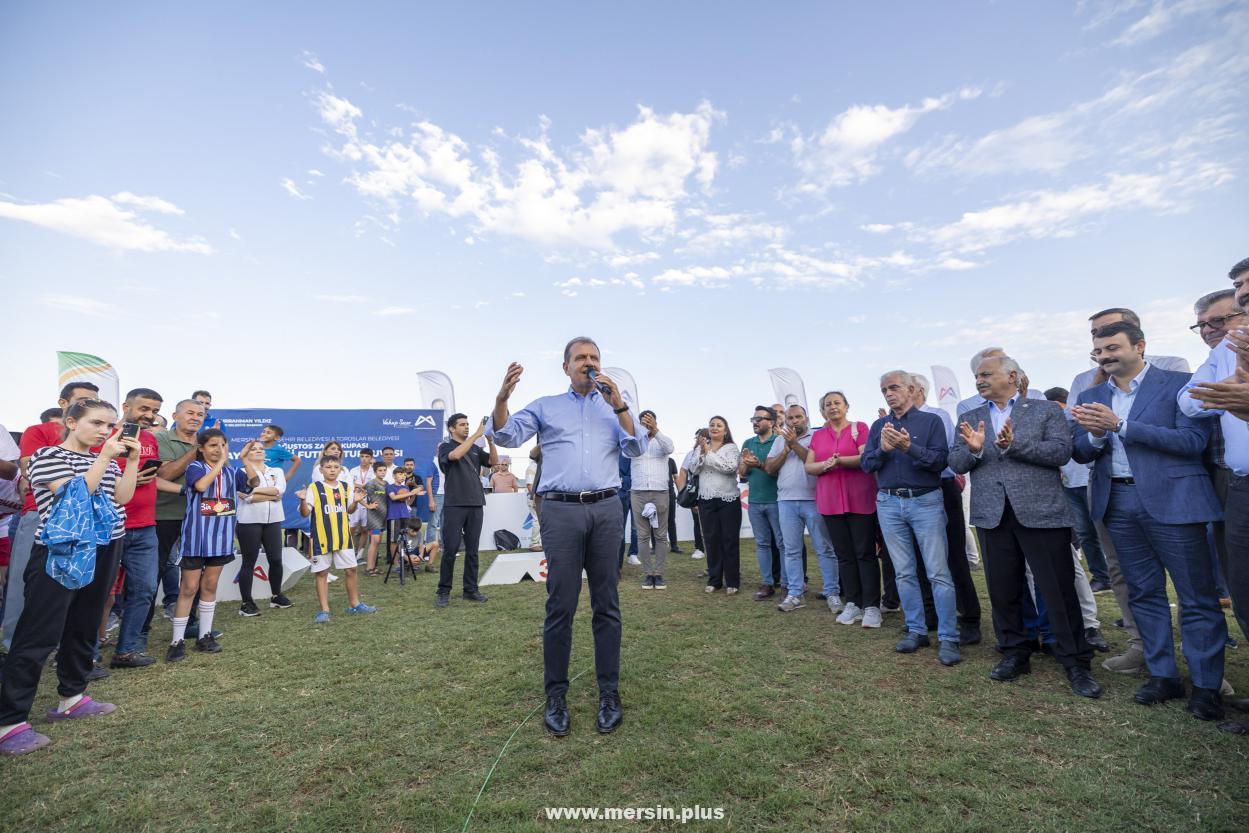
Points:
(788, 387)
(628, 387)
(84, 367)
(945, 386)
(437, 391)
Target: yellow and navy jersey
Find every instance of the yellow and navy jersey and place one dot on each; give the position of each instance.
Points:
(329, 518)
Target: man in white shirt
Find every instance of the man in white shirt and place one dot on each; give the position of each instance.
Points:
(649, 475)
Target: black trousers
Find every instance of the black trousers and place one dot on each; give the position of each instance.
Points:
(167, 535)
(55, 618)
(1047, 552)
(854, 540)
(674, 543)
(251, 538)
(461, 524)
(722, 530)
(699, 543)
(956, 556)
(1236, 530)
(576, 537)
(889, 581)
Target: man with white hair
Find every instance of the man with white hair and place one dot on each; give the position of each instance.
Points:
(976, 400)
(955, 533)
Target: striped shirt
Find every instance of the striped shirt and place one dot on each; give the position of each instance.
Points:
(208, 535)
(52, 463)
(329, 503)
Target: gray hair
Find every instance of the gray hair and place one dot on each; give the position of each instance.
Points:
(1206, 301)
(1008, 364)
(920, 381)
(893, 373)
(980, 356)
(579, 340)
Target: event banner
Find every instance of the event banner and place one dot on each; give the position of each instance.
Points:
(412, 433)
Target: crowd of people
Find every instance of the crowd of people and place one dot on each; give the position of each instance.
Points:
(1140, 466)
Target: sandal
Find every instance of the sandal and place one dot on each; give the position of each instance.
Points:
(86, 707)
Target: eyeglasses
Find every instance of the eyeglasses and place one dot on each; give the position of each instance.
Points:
(1216, 323)
(761, 419)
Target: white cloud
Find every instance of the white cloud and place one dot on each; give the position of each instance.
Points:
(291, 188)
(724, 231)
(344, 299)
(877, 228)
(107, 222)
(706, 276)
(614, 181)
(314, 172)
(310, 61)
(621, 260)
(1162, 15)
(81, 305)
(847, 150)
(395, 311)
(234, 235)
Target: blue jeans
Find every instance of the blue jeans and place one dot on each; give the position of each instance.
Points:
(19, 557)
(765, 521)
(140, 557)
(1148, 550)
(904, 523)
(1086, 533)
(795, 514)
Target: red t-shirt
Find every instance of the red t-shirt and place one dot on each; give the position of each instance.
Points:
(141, 510)
(34, 438)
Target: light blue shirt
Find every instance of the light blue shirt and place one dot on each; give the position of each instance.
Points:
(974, 401)
(1220, 365)
(999, 417)
(949, 431)
(581, 440)
(1121, 404)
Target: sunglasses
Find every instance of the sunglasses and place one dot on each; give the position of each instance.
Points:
(761, 419)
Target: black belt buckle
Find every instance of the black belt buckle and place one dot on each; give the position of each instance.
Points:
(1126, 481)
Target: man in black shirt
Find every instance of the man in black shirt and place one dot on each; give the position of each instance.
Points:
(461, 461)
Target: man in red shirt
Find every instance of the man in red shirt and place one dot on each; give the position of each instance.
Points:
(33, 438)
(139, 551)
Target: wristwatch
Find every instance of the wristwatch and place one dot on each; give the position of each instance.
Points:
(621, 409)
(1118, 426)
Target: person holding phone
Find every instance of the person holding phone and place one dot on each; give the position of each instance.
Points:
(140, 557)
(461, 461)
(55, 617)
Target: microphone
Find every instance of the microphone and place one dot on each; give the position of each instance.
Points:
(602, 388)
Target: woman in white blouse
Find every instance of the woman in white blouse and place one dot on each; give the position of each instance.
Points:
(719, 505)
(260, 523)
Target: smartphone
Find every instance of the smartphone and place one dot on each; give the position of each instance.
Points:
(154, 463)
(129, 430)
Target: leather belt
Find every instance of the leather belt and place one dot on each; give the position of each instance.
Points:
(1126, 481)
(910, 493)
(580, 497)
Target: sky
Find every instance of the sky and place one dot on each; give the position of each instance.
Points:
(304, 204)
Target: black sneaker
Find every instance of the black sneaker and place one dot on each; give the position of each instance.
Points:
(442, 600)
(131, 659)
(475, 596)
(281, 601)
(97, 672)
(177, 651)
(207, 645)
(249, 609)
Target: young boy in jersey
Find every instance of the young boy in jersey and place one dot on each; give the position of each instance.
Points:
(330, 503)
(376, 504)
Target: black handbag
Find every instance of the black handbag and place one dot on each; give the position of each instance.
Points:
(688, 496)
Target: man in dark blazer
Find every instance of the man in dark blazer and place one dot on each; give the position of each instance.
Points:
(1149, 487)
(1018, 503)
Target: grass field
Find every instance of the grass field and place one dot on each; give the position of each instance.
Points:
(788, 722)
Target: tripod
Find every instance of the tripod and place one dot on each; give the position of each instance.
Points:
(399, 553)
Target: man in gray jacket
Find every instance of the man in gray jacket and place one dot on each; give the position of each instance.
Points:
(1017, 500)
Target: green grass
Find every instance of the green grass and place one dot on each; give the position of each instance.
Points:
(787, 721)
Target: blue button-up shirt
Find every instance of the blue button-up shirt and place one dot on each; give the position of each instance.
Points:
(1000, 415)
(918, 467)
(1121, 404)
(581, 440)
(1220, 365)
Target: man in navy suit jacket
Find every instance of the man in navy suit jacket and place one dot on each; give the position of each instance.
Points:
(1152, 492)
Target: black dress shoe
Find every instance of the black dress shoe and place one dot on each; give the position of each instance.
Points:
(1235, 727)
(1011, 667)
(1095, 639)
(969, 635)
(556, 716)
(1159, 690)
(1240, 704)
(609, 713)
(1082, 682)
(442, 600)
(1205, 704)
(475, 596)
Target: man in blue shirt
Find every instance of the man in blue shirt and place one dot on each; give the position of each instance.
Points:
(906, 450)
(583, 432)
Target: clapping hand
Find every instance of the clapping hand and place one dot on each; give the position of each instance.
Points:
(748, 457)
(1231, 394)
(1095, 418)
(830, 463)
(1006, 436)
(974, 437)
(895, 439)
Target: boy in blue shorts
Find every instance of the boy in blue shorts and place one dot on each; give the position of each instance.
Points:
(329, 504)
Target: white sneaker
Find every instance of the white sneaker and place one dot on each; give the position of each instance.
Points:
(697, 554)
(871, 617)
(790, 603)
(635, 561)
(834, 603)
(851, 614)
(730, 591)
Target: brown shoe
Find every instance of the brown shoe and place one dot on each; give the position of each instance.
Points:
(765, 592)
